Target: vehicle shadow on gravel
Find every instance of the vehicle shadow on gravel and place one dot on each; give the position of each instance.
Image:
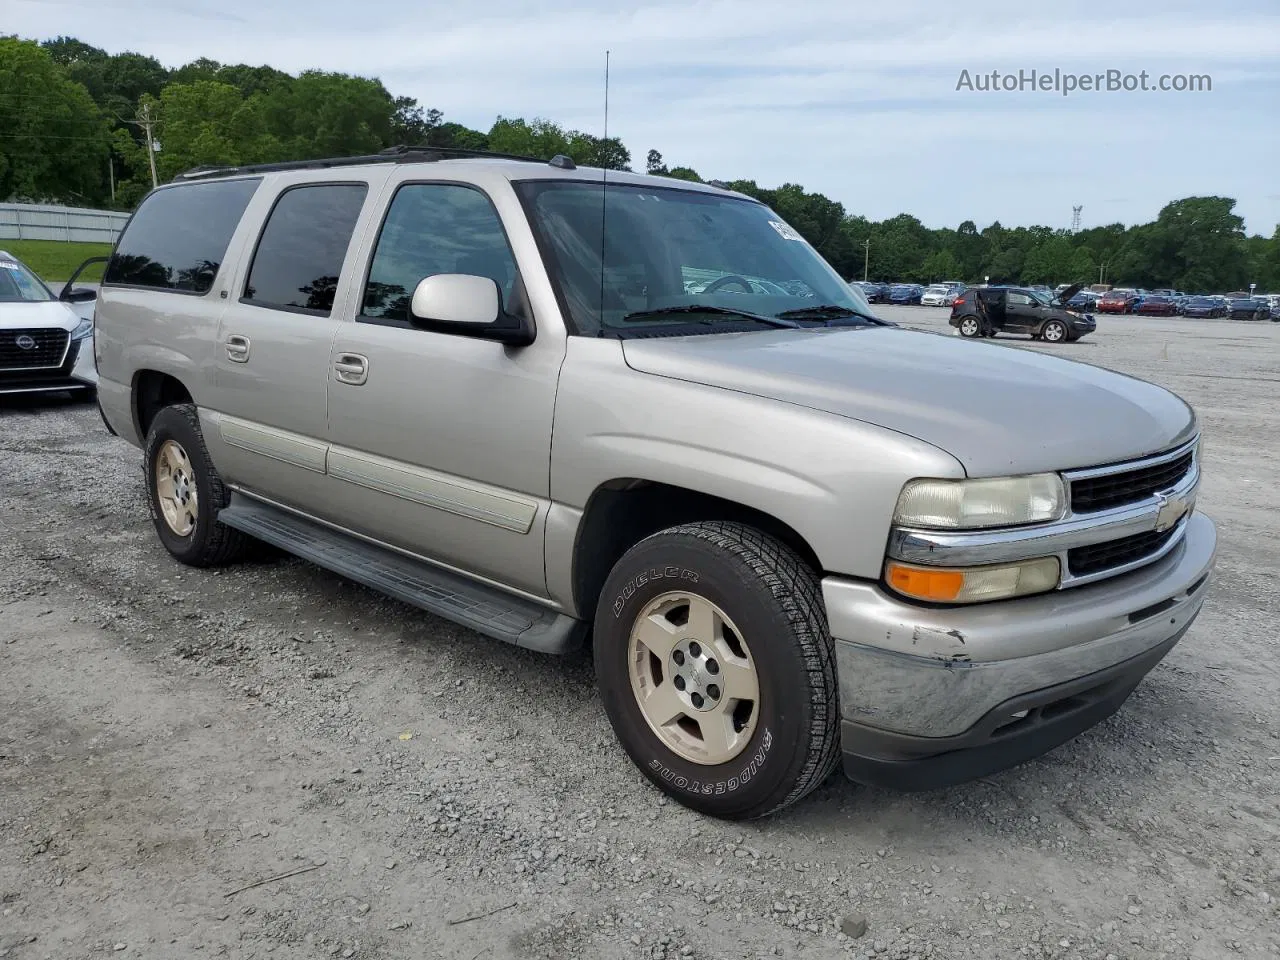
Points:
(41, 402)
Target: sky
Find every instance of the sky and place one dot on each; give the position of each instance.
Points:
(858, 101)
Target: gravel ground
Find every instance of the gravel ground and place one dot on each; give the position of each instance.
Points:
(168, 736)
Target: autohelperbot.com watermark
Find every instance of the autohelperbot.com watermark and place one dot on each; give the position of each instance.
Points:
(1066, 83)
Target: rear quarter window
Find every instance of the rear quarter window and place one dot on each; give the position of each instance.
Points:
(178, 237)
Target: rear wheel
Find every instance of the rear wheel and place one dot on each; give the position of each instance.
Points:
(717, 669)
(1055, 331)
(970, 327)
(185, 493)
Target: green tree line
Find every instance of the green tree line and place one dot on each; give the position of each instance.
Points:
(72, 122)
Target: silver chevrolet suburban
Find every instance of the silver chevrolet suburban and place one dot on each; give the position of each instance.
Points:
(549, 403)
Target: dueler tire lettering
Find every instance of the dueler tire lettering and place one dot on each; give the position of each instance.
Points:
(668, 573)
(775, 598)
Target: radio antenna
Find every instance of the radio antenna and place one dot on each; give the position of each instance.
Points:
(604, 187)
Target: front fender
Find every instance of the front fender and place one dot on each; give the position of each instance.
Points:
(833, 480)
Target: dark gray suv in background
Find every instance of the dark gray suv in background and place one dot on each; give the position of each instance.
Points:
(987, 311)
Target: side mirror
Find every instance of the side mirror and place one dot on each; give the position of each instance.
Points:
(68, 293)
(467, 305)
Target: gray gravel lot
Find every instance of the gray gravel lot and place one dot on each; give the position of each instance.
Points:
(170, 735)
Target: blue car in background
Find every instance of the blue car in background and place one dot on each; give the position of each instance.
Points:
(1083, 301)
(906, 293)
(1204, 307)
(875, 292)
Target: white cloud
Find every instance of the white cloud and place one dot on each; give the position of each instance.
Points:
(857, 101)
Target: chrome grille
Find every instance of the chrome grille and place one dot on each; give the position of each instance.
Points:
(1128, 486)
(39, 348)
(1097, 557)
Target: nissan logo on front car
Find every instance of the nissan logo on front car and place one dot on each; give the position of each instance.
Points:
(26, 342)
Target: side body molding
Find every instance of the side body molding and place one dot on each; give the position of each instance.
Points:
(456, 495)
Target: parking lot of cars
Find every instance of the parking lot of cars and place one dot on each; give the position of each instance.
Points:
(168, 728)
(1118, 300)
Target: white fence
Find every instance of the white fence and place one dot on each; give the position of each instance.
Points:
(35, 221)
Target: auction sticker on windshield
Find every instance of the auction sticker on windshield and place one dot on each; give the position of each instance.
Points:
(784, 231)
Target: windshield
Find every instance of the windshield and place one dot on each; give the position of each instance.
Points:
(1040, 297)
(20, 285)
(668, 249)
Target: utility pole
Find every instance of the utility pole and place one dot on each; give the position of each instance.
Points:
(111, 175)
(146, 123)
(866, 258)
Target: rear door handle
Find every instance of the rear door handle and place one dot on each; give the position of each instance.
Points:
(351, 368)
(238, 348)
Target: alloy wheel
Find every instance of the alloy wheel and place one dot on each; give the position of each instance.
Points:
(693, 678)
(176, 488)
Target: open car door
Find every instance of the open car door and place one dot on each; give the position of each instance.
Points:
(81, 299)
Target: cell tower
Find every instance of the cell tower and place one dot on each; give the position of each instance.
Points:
(1075, 218)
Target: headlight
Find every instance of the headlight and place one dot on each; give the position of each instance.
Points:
(83, 329)
(977, 504)
(973, 584)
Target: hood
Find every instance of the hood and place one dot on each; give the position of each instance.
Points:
(1070, 292)
(48, 313)
(997, 410)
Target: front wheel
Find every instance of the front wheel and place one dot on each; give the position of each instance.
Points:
(1055, 331)
(970, 327)
(717, 669)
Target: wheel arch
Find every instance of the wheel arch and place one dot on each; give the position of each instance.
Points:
(625, 510)
(152, 391)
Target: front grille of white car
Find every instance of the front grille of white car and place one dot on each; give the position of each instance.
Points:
(38, 348)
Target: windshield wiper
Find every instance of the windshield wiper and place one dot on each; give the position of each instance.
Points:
(832, 311)
(642, 315)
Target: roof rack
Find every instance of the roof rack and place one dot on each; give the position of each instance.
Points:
(397, 154)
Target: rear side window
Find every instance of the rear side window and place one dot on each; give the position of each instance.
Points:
(178, 238)
(300, 253)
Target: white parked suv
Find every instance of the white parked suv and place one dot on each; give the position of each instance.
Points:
(45, 339)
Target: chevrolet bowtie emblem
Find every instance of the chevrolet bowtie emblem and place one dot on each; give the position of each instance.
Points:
(1172, 508)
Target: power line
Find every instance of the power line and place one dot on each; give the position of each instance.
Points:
(51, 136)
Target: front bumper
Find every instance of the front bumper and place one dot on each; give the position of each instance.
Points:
(76, 372)
(932, 696)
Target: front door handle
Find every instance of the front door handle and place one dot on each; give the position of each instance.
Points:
(351, 368)
(238, 348)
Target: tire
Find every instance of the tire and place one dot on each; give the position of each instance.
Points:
(190, 530)
(970, 328)
(771, 750)
(1054, 331)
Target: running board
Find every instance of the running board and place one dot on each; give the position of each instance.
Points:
(466, 602)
